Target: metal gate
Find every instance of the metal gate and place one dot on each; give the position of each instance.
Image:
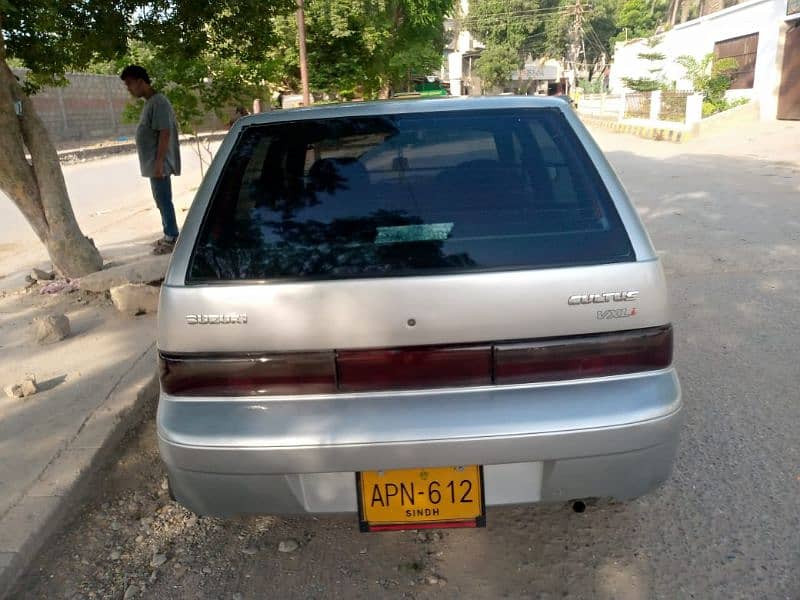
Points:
(789, 92)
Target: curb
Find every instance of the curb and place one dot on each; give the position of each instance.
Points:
(652, 133)
(60, 489)
(95, 152)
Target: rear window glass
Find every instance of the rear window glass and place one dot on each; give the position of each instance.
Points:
(409, 194)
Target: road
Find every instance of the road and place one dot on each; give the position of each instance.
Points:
(724, 215)
(104, 193)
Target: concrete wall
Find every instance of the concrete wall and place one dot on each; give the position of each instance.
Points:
(697, 38)
(89, 110)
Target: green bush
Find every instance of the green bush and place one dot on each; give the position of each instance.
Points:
(712, 108)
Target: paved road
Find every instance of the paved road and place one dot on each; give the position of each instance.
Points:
(104, 193)
(725, 526)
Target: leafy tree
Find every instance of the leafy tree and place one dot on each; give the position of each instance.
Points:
(50, 37)
(597, 36)
(496, 64)
(636, 19)
(655, 81)
(711, 77)
(364, 47)
(510, 29)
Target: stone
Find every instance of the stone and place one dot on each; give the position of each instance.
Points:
(135, 298)
(250, 551)
(131, 592)
(23, 389)
(288, 546)
(40, 275)
(51, 328)
(238, 596)
(432, 580)
(115, 555)
(207, 570)
(158, 560)
(146, 270)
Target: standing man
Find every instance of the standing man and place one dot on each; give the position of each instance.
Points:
(158, 149)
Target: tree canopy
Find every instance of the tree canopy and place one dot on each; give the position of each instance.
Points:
(51, 37)
(513, 29)
(363, 47)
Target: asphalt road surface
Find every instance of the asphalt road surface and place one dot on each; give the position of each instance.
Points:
(724, 213)
(112, 202)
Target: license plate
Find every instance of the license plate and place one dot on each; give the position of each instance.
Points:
(423, 498)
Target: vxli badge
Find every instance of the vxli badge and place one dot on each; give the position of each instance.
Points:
(617, 313)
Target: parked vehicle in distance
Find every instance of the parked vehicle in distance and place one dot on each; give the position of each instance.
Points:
(412, 311)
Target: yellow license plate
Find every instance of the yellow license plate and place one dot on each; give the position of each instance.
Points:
(421, 498)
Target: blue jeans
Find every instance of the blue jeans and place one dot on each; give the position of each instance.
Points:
(162, 194)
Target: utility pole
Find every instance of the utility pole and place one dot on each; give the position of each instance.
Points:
(301, 38)
(576, 43)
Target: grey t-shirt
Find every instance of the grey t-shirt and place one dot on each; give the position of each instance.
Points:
(157, 114)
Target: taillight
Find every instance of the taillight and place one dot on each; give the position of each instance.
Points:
(534, 361)
(414, 368)
(586, 356)
(252, 375)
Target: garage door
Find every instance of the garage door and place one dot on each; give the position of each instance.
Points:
(789, 93)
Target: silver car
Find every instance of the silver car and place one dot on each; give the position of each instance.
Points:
(412, 311)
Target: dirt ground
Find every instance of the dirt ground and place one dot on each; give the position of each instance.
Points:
(113, 543)
(724, 526)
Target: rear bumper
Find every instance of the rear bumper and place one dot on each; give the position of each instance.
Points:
(597, 438)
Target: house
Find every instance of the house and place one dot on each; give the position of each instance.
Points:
(763, 36)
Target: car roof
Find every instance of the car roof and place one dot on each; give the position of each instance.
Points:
(407, 106)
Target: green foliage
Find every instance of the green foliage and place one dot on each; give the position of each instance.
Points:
(363, 47)
(496, 65)
(642, 84)
(50, 37)
(655, 81)
(639, 18)
(712, 108)
(509, 23)
(709, 76)
(594, 86)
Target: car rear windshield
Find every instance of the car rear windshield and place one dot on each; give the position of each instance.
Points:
(409, 194)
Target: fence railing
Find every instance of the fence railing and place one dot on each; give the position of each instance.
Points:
(672, 106)
(637, 106)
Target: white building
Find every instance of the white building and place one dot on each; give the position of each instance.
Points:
(460, 57)
(763, 36)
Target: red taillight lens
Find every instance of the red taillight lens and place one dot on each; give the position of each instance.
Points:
(414, 368)
(255, 375)
(587, 356)
(418, 368)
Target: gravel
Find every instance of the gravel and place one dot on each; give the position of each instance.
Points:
(288, 546)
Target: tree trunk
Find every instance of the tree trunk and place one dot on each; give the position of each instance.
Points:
(37, 187)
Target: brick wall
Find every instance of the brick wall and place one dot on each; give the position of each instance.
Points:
(88, 110)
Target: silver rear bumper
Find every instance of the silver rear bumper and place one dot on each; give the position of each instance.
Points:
(595, 438)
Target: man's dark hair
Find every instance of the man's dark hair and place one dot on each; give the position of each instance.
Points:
(135, 72)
